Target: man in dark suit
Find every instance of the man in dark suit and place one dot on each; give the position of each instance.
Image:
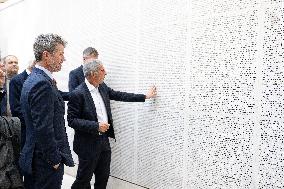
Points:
(16, 85)
(2, 81)
(89, 113)
(11, 68)
(76, 76)
(46, 148)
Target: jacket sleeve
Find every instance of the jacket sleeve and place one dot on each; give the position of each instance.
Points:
(65, 95)
(123, 96)
(75, 114)
(41, 100)
(73, 81)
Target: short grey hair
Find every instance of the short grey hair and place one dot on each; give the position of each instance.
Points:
(47, 42)
(91, 67)
(90, 51)
(6, 57)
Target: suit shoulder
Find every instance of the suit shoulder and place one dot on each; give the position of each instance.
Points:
(20, 77)
(80, 89)
(37, 81)
(76, 70)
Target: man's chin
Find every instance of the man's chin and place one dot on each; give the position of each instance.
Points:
(15, 72)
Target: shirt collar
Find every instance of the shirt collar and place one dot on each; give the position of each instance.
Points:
(28, 71)
(45, 71)
(90, 86)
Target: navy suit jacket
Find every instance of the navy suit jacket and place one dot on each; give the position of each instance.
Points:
(82, 116)
(16, 85)
(76, 77)
(43, 111)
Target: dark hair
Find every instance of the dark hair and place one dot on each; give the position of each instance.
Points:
(46, 42)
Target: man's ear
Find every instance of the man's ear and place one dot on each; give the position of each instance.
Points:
(45, 54)
(93, 74)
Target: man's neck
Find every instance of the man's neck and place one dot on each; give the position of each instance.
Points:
(93, 83)
(10, 75)
(45, 70)
(42, 64)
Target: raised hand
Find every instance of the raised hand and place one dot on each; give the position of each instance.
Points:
(152, 93)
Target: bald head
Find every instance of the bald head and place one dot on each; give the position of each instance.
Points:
(11, 65)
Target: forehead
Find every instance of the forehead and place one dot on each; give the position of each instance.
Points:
(101, 66)
(11, 59)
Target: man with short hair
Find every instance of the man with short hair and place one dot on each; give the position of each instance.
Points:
(89, 114)
(11, 69)
(46, 148)
(11, 65)
(76, 76)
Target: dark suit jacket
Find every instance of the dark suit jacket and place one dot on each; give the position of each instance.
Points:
(82, 116)
(76, 77)
(65, 95)
(16, 85)
(43, 111)
(3, 102)
(2, 94)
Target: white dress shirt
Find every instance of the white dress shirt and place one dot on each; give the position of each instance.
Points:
(99, 103)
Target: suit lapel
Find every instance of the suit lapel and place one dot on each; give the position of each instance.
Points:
(55, 90)
(103, 94)
(89, 99)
